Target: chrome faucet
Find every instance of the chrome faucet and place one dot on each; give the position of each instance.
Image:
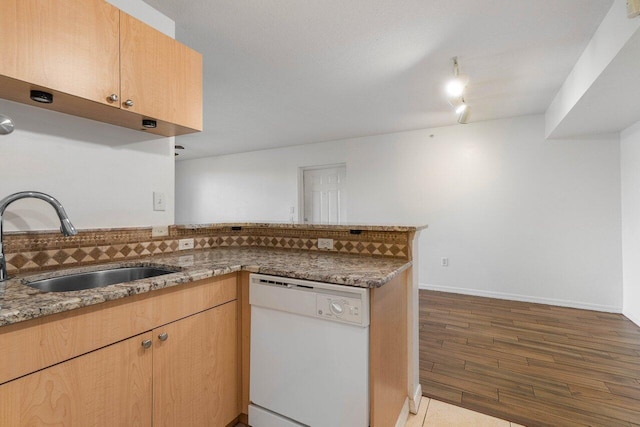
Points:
(65, 225)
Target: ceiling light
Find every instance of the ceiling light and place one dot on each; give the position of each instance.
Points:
(455, 87)
(463, 116)
(456, 102)
(455, 90)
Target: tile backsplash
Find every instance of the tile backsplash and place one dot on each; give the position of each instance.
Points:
(35, 251)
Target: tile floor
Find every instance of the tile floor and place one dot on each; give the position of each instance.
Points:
(433, 413)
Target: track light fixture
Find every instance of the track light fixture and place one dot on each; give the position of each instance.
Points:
(456, 86)
(463, 115)
(455, 92)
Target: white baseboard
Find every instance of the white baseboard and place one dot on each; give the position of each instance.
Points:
(523, 298)
(631, 316)
(414, 402)
(404, 414)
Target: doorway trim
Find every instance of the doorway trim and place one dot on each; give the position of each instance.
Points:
(301, 171)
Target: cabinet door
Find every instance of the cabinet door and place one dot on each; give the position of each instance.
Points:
(107, 387)
(71, 46)
(195, 370)
(161, 77)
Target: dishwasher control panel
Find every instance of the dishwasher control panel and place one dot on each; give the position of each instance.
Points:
(326, 301)
(335, 307)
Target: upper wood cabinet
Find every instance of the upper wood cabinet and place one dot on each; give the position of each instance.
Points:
(99, 63)
(70, 46)
(161, 77)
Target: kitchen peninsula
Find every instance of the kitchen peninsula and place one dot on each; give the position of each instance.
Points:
(43, 334)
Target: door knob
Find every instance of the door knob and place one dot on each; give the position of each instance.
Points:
(113, 97)
(128, 103)
(163, 336)
(146, 344)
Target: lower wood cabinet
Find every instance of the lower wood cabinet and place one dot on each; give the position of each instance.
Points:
(184, 373)
(108, 387)
(195, 369)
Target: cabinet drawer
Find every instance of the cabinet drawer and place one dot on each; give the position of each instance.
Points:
(185, 300)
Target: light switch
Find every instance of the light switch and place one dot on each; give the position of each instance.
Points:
(159, 202)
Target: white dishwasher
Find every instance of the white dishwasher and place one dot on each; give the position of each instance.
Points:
(309, 354)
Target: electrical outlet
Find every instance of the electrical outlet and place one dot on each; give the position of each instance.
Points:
(444, 262)
(160, 230)
(159, 201)
(325, 244)
(184, 244)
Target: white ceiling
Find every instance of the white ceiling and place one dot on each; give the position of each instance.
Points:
(289, 72)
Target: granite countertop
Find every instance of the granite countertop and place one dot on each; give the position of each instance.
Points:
(19, 302)
(307, 226)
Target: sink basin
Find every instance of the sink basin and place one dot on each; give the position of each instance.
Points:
(96, 279)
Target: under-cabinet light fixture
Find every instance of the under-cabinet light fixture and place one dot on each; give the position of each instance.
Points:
(42, 97)
(149, 124)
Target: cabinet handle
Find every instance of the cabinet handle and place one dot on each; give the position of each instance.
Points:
(113, 97)
(163, 336)
(146, 343)
(128, 103)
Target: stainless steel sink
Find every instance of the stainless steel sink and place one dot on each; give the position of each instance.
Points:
(97, 279)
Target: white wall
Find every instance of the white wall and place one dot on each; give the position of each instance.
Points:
(518, 216)
(147, 14)
(104, 175)
(630, 165)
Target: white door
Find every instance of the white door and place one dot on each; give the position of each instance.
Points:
(325, 196)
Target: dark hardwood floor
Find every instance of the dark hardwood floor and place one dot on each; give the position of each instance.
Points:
(533, 364)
